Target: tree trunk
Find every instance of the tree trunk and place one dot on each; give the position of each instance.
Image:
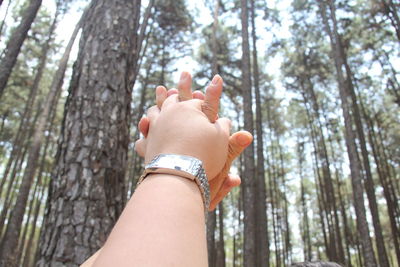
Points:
(21, 133)
(87, 192)
(28, 214)
(220, 247)
(26, 262)
(335, 249)
(137, 160)
(262, 241)
(211, 244)
(249, 180)
(28, 247)
(142, 34)
(305, 230)
(212, 217)
(9, 252)
(392, 14)
(9, 197)
(320, 189)
(384, 176)
(15, 43)
(12, 183)
(369, 183)
(163, 62)
(345, 226)
(350, 138)
(4, 21)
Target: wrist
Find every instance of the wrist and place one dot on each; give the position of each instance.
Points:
(175, 191)
(183, 166)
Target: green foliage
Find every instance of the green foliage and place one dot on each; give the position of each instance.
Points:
(290, 67)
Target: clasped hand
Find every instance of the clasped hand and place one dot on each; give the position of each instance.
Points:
(185, 122)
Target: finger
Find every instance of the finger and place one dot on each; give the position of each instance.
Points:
(140, 147)
(143, 126)
(172, 91)
(198, 95)
(230, 182)
(161, 95)
(185, 86)
(211, 101)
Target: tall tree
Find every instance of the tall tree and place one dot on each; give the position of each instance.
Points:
(15, 42)
(249, 178)
(261, 215)
(87, 191)
(9, 252)
(345, 82)
(14, 224)
(212, 217)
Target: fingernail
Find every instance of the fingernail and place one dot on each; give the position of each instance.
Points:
(158, 90)
(216, 79)
(184, 75)
(243, 140)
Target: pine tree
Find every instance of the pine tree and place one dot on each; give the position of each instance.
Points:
(15, 42)
(87, 192)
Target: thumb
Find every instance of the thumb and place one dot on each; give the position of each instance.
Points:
(237, 143)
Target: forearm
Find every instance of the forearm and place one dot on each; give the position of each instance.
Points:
(162, 225)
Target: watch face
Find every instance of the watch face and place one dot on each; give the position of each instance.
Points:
(177, 162)
(182, 165)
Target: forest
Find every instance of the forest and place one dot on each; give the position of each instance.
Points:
(316, 82)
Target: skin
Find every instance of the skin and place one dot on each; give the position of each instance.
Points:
(223, 183)
(157, 204)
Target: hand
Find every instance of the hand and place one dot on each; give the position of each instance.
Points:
(182, 128)
(222, 184)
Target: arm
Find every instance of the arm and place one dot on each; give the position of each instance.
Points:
(162, 225)
(224, 182)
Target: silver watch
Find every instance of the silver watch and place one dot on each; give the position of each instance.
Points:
(180, 165)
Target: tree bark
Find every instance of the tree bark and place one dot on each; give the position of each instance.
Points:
(220, 247)
(15, 43)
(249, 180)
(87, 191)
(261, 213)
(212, 217)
